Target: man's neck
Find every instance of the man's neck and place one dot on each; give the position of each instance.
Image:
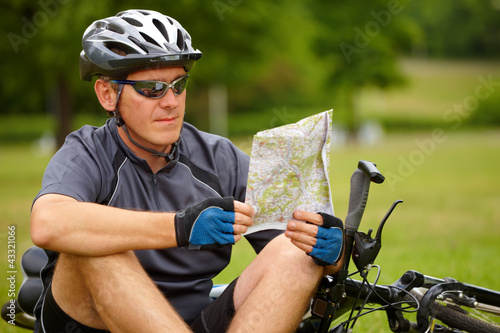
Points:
(156, 163)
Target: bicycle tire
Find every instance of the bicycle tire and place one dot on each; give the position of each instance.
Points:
(455, 318)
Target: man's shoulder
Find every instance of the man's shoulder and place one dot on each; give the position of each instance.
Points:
(90, 145)
(92, 136)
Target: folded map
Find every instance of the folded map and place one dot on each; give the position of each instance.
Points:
(289, 170)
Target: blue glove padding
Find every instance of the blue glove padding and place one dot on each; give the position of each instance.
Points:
(213, 228)
(329, 241)
(206, 225)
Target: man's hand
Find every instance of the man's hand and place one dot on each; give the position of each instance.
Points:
(214, 222)
(320, 235)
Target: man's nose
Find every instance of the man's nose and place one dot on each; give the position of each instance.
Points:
(169, 100)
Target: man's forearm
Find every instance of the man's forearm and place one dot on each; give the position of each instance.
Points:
(63, 224)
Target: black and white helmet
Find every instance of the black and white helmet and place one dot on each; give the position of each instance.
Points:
(134, 40)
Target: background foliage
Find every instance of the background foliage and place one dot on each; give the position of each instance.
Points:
(312, 53)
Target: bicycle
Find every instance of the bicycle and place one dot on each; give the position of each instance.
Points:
(440, 305)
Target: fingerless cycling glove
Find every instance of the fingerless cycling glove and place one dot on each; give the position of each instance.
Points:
(207, 225)
(329, 241)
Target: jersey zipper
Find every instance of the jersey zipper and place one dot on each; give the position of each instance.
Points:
(155, 192)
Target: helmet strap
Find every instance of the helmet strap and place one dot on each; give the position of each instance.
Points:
(118, 118)
(169, 157)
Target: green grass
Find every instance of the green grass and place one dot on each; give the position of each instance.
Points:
(434, 86)
(449, 223)
(447, 226)
(21, 170)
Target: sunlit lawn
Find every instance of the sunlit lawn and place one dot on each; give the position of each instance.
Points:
(448, 225)
(433, 87)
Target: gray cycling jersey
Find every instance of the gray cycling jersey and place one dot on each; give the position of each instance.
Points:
(94, 165)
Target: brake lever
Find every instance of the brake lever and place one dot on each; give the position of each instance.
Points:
(382, 223)
(366, 248)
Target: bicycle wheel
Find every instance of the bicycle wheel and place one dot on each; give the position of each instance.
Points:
(460, 306)
(470, 320)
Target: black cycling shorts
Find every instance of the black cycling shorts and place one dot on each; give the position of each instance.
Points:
(215, 318)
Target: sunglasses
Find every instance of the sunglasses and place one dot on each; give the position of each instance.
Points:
(156, 89)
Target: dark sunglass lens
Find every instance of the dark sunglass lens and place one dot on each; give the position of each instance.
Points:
(151, 88)
(179, 86)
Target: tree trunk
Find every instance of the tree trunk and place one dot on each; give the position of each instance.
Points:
(352, 116)
(217, 109)
(63, 110)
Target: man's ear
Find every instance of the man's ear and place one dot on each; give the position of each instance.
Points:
(106, 94)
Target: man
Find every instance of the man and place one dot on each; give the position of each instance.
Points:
(139, 215)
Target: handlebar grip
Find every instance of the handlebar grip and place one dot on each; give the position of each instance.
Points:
(371, 171)
(360, 187)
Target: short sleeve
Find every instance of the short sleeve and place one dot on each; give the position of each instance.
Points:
(79, 169)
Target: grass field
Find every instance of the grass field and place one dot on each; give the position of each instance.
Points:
(448, 225)
(449, 222)
(433, 87)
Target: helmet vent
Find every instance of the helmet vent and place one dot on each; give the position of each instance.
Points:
(162, 29)
(116, 28)
(180, 40)
(119, 48)
(149, 39)
(138, 43)
(133, 22)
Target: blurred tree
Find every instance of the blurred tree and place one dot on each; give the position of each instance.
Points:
(42, 55)
(360, 44)
(461, 28)
(242, 42)
(308, 53)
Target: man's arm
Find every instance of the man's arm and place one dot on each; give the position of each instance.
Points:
(63, 224)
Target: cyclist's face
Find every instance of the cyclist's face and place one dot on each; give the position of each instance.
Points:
(154, 122)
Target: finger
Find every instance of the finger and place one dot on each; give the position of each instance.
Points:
(301, 238)
(239, 229)
(308, 217)
(243, 208)
(237, 238)
(309, 229)
(243, 219)
(304, 247)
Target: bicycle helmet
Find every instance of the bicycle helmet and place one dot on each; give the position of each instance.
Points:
(134, 40)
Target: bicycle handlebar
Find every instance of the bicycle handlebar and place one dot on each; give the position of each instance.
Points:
(360, 186)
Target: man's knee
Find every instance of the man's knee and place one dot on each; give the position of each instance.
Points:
(281, 249)
(88, 284)
(82, 276)
(281, 258)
